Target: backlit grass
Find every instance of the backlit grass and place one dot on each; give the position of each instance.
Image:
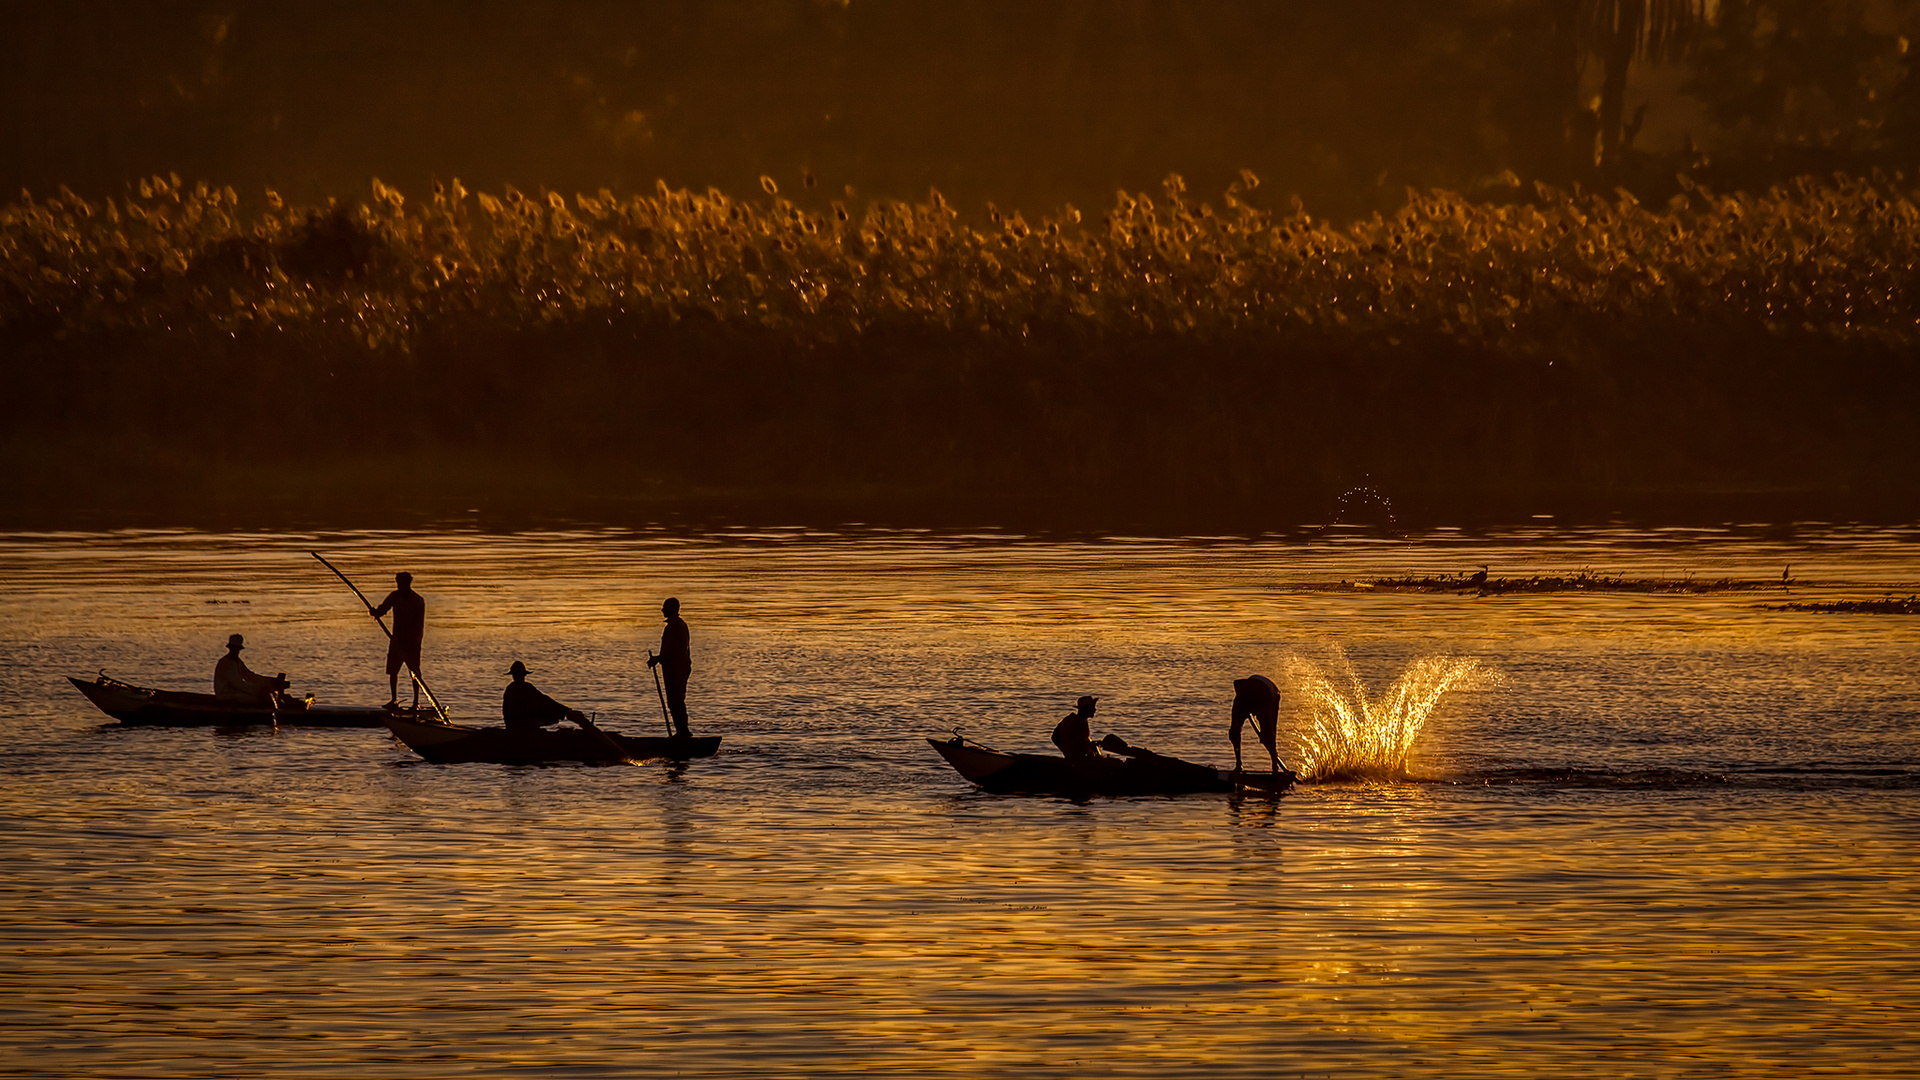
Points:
(1833, 258)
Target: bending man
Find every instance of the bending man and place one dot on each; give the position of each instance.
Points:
(1256, 697)
(676, 657)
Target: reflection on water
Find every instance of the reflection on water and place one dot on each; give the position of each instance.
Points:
(1345, 734)
(1677, 840)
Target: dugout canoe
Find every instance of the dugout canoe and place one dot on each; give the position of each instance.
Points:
(452, 744)
(141, 706)
(1142, 772)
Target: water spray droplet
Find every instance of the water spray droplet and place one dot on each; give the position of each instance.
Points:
(1344, 734)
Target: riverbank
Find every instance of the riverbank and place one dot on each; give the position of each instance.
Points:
(1165, 364)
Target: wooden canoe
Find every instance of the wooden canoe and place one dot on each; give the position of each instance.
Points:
(450, 744)
(1143, 772)
(142, 706)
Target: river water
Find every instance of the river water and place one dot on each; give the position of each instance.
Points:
(1673, 835)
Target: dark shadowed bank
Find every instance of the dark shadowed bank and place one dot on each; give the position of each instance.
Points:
(1167, 365)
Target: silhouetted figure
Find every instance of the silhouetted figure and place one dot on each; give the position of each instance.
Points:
(233, 681)
(525, 708)
(409, 625)
(1073, 736)
(1479, 579)
(1256, 697)
(676, 660)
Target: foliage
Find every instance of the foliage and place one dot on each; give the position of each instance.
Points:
(1167, 353)
(1808, 71)
(1832, 258)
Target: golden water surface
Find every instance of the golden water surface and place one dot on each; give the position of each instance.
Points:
(1675, 837)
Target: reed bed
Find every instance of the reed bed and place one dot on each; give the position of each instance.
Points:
(1832, 258)
(1163, 351)
(1887, 605)
(1581, 581)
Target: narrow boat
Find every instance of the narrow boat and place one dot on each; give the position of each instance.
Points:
(142, 706)
(450, 744)
(1141, 772)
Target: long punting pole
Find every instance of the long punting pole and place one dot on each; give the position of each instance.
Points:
(417, 680)
(663, 694)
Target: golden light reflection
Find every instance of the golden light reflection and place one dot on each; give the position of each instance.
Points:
(1348, 735)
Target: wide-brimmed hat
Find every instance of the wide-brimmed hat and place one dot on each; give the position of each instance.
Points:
(518, 668)
(235, 641)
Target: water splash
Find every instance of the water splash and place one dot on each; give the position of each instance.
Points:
(1364, 506)
(1348, 735)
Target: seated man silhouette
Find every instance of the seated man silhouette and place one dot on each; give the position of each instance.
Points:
(1073, 736)
(233, 681)
(525, 708)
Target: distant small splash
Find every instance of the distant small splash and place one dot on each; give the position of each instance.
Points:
(1364, 506)
(1346, 734)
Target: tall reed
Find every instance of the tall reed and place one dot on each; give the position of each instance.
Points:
(1163, 352)
(1832, 258)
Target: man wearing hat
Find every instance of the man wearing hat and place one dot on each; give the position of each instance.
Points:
(527, 709)
(409, 625)
(1073, 736)
(232, 681)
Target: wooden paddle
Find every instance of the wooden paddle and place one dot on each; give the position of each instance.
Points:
(417, 680)
(665, 718)
(619, 752)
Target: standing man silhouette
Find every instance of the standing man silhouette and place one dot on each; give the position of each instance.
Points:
(409, 625)
(676, 657)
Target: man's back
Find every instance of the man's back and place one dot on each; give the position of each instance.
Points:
(524, 706)
(1074, 737)
(676, 645)
(233, 681)
(409, 613)
(1256, 695)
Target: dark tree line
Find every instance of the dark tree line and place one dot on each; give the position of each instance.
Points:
(1029, 105)
(561, 324)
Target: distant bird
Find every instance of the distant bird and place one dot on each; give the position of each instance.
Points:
(1479, 580)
